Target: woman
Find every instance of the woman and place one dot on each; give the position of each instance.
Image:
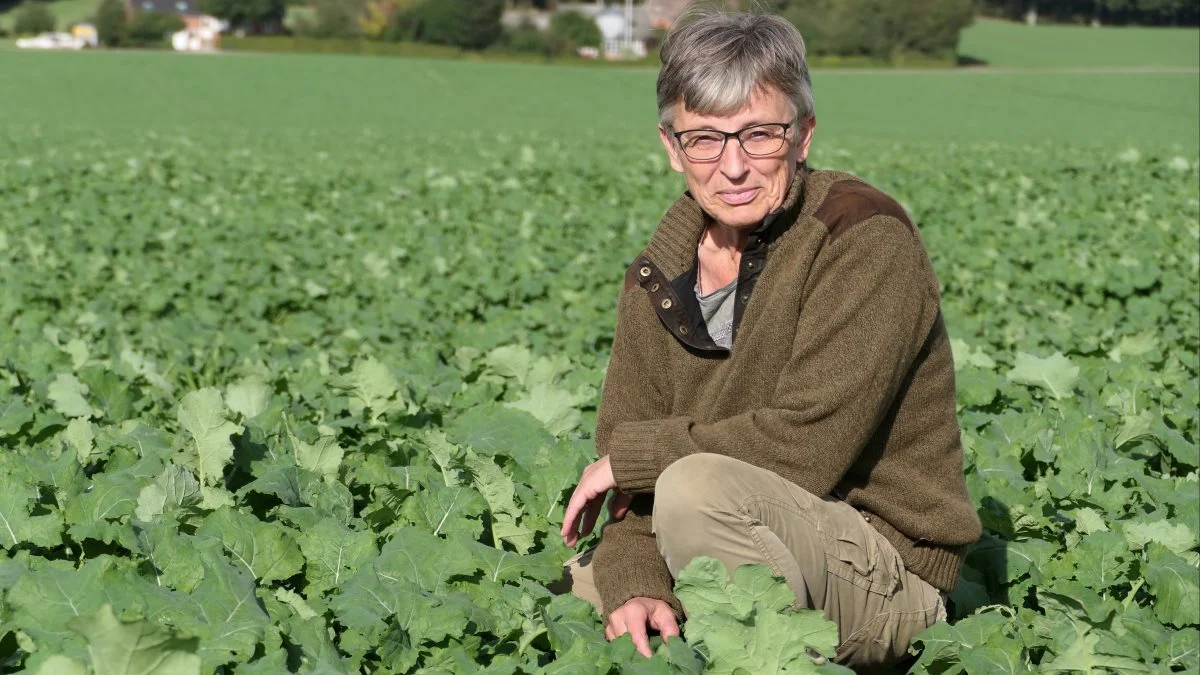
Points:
(781, 389)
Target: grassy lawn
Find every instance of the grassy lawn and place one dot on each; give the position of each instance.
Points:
(333, 94)
(1005, 44)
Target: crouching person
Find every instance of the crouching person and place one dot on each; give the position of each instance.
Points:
(781, 389)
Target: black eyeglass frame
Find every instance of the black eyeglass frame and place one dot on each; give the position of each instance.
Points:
(787, 126)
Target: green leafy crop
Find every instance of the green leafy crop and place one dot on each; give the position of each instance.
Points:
(270, 406)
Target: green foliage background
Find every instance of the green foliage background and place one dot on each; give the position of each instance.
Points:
(296, 380)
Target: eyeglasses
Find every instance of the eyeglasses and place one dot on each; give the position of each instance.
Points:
(759, 140)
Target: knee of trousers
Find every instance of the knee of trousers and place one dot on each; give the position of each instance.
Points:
(692, 495)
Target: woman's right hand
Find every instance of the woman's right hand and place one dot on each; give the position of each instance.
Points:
(635, 616)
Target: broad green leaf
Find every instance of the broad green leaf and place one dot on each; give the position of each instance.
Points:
(569, 619)
(450, 511)
(552, 406)
(1088, 520)
(135, 648)
(1055, 374)
(512, 361)
(322, 458)
(271, 663)
(334, 553)
(81, 436)
(945, 645)
(496, 430)
(1082, 655)
(422, 559)
(1176, 587)
(500, 566)
(202, 414)
(704, 587)
(69, 396)
(749, 624)
(1102, 560)
(373, 387)
(249, 397)
(222, 611)
(1177, 537)
(281, 479)
(171, 554)
(174, 488)
(61, 665)
(266, 550)
(17, 524)
(112, 497)
(499, 493)
(319, 653)
(14, 414)
(48, 599)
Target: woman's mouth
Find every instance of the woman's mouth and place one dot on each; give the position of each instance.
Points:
(739, 196)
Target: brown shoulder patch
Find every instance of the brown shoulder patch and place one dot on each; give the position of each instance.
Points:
(637, 271)
(850, 202)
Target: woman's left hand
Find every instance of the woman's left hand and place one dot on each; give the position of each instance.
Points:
(588, 499)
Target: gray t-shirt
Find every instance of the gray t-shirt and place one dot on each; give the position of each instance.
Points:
(717, 310)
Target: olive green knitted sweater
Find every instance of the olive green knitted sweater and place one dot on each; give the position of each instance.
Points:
(840, 379)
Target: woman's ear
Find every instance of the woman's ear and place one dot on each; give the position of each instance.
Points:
(668, 142)
(807, 127)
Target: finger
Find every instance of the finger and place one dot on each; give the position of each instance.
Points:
(572, 515)
(583, 494)
(590, 515)
(663, 620)
(641, 639)
(614, 627)
(620, 505)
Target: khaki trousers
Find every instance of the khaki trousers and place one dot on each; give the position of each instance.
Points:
(712, 505)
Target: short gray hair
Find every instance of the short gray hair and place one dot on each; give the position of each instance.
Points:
(715, 61)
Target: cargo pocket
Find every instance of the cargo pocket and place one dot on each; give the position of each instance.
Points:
(884, 640)
(853, 554)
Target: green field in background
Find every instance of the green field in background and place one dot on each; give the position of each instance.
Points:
(1006, 44)
(99, 93)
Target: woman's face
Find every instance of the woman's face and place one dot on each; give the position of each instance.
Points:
(736, 189)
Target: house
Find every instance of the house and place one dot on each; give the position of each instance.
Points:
(201, 31)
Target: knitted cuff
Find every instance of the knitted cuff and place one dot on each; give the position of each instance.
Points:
(636, 582)
(633, 455)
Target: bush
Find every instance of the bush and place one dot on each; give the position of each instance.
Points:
(897, 27)
(153, 29)
(527, 38)
(33, 18)
(576, 29)
(466, 24)
(332, 19)
(112, 23)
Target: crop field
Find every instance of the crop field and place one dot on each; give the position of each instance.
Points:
(1008, 44)
(300, 357)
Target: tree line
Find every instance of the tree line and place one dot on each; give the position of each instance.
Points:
(1104, 12)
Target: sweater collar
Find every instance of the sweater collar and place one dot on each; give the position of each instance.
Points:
(673, 245)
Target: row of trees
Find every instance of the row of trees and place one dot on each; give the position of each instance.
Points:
(897, 28)
(1140, 12)
(113, 24)
(466, 24)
